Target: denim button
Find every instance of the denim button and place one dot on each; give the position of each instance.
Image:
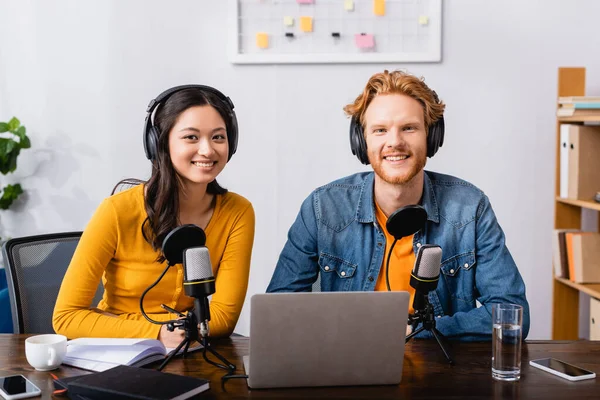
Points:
(418, 245)
(327, 268)
(343, 273)
(466, 265)
(452, 271)
(371, 279)
(379, 244)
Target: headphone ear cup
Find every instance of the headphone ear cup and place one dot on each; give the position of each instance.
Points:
(151, 143)
(435, 138)
(232, 135)
(357, 142)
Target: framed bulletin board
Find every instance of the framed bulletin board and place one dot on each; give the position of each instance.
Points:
(335, 31)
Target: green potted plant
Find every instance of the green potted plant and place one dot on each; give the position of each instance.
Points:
(12, 139)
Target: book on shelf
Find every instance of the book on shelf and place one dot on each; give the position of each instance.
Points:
(575, 112)
(581, 105)
(559, 252)
(583, 253)
(579, 161)
(124, 382)
(101, 354)
(578, 99)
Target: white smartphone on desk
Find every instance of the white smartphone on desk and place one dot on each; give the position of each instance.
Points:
(562, 369)
(17, 387)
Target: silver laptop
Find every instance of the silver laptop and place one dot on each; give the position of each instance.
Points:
(326, 339)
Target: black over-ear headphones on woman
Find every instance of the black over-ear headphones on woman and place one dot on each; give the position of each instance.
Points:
(435, 137)
(151, 132)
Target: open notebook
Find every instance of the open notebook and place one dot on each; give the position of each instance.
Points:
(100, 354)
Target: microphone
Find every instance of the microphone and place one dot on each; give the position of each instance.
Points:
(199, 283)
(425, 274)
(424, 278)
(403, 222)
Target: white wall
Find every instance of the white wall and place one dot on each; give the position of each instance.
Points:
(79, 75)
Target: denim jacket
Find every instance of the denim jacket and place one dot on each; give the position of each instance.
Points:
(336, 236)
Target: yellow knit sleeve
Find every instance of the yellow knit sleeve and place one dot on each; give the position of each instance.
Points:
(73, 315)
(232, 276)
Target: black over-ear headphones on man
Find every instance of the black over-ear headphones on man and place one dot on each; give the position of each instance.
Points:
(435, 137)
(151, 132)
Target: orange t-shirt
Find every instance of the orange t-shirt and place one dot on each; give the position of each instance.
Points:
(401, 263)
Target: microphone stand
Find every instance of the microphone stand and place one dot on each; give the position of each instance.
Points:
(427, 318)
(207, 347)
(189, 323)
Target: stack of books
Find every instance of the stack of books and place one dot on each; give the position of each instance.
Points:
(578, 106)
(575, 255)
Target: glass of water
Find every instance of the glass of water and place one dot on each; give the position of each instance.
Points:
(507, 333)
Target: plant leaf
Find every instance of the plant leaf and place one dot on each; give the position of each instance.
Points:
(13, 124)
(9, 194)
(20, 132)
(25, 143)
(3, 127)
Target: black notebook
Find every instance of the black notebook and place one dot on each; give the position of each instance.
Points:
(124, 382)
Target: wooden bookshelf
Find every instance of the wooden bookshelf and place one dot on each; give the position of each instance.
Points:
(591, 205)
(589, 118)
(592, 289)
(567, 215)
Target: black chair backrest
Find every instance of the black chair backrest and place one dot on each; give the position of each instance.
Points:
(35, 267)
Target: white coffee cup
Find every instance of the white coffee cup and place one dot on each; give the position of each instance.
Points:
(45, 352)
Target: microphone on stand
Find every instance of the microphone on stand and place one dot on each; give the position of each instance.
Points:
(185, 245)
(424, 279)
(199, 283)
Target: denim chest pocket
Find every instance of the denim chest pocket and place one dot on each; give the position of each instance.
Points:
(459, 276)
(336, 272)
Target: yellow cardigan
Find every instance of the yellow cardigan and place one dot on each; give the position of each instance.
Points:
(113, 249)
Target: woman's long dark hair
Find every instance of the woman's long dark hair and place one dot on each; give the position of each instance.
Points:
(162, 189)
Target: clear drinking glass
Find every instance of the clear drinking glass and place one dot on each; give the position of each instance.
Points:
(507, 334)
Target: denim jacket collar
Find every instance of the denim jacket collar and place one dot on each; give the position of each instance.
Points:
(365, 211)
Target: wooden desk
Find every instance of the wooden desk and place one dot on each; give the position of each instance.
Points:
(426, 374)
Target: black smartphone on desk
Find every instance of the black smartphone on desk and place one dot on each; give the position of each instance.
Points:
(17, 387)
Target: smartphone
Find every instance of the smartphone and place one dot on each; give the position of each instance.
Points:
(17, 387)
(562, 369)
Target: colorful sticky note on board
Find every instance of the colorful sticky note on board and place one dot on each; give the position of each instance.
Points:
(262, 40)
(305, 1)
(306, 24)
(364, 41)
(423, 20)
(288, 21)
(349, 5)
(379, 7)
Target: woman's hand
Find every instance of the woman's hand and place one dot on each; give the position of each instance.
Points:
(171, 339)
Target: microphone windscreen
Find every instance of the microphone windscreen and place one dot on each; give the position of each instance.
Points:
(181, 238)
(406, 221)
(428, 262)
(196, 264)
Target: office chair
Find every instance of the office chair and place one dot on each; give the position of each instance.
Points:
(35, 267)
(316, 287)
(126, 184)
